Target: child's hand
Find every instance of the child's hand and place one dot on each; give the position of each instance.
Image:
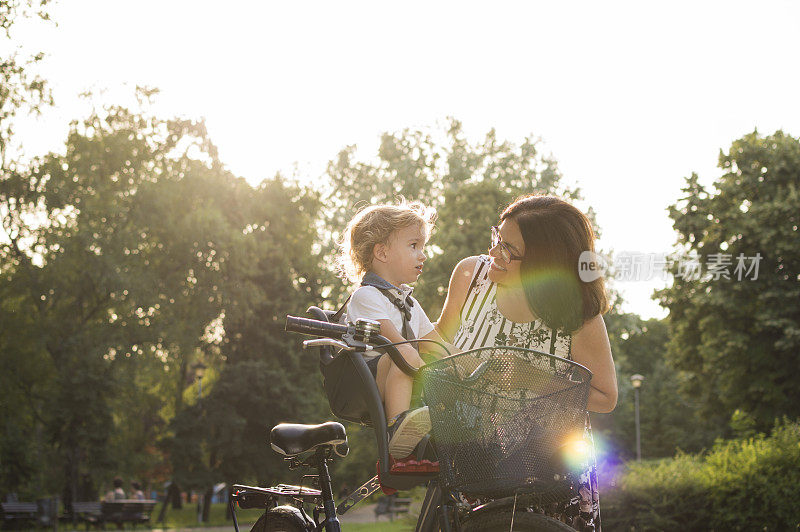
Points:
(435, 349)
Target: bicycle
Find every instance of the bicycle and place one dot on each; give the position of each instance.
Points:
(498, 427)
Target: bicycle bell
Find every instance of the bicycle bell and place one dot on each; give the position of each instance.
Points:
(365, 329)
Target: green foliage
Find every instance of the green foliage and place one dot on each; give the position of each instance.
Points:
(657, 495)
(265, 376)
(758, 476)
(743, 484)
(738, 340)
(25, 370)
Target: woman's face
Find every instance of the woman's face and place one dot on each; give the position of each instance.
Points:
(501, 271)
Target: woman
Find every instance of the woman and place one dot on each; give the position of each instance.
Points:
(527, 293)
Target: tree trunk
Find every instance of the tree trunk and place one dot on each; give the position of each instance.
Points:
(174, 496)
(207, 503)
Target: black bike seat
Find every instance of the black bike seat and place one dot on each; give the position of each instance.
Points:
(291, 439)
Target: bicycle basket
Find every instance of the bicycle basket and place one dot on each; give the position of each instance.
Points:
(500, 414)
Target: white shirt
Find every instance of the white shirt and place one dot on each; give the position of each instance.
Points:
(369, 303)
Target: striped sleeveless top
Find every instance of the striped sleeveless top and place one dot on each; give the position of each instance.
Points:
(482, 324)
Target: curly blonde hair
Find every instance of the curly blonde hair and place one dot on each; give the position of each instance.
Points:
(374, 225)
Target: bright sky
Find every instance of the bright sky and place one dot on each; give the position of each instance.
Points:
(630, 97)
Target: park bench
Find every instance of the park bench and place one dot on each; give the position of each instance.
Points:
(88, 512)
(392, 506)
(117, 512)
(19, 512)
(127, 511)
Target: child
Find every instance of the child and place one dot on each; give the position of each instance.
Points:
(383, 246)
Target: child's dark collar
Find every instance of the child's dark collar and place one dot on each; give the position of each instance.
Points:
(403, 292)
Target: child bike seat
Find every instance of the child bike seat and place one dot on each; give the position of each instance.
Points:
(290, 439)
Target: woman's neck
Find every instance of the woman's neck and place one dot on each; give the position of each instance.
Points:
(513, 305)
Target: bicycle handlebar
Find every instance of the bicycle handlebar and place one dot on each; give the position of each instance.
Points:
(314, 327)
(335, 330)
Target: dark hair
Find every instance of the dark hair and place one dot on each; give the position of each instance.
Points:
(136, 485)
(555, 234)
(117, 482)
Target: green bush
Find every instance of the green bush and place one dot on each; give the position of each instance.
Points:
(657, 495)
(756, 481)
(746, 484)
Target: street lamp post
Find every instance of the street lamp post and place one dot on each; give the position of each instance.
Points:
(199, 371)
(636, 381)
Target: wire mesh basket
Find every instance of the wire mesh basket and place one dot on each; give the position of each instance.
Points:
(499, 416)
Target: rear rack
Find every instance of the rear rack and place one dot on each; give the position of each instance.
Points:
(257, 497)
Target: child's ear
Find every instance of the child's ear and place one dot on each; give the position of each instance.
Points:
(379, 253)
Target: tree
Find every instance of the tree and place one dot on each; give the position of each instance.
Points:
(21, 92)
(114, 270)
(265, 376)
(735, 334)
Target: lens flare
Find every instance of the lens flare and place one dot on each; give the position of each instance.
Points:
(579, 447)
(543, 277)
(576, 453)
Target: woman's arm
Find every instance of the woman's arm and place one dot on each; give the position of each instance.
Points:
(590, 347)
(450, 318)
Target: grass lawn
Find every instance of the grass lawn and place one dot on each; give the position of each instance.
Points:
(399, 525)
(187, 518)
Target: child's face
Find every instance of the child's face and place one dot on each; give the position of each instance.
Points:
(404, 254)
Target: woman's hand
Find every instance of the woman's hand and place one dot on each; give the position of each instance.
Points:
(590, 347)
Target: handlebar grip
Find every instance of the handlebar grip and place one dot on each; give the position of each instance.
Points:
(314, 327)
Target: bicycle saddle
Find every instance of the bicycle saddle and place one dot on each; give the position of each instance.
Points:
(291, 439)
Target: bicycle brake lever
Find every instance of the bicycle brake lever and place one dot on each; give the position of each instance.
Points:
(320, 342)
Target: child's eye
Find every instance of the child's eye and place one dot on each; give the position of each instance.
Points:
(413, 245)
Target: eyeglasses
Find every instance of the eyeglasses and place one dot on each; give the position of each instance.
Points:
(505, 251)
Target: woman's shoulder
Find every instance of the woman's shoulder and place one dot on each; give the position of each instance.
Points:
(463, 273)
(593, 329)
(590, 325)
(466, 267)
